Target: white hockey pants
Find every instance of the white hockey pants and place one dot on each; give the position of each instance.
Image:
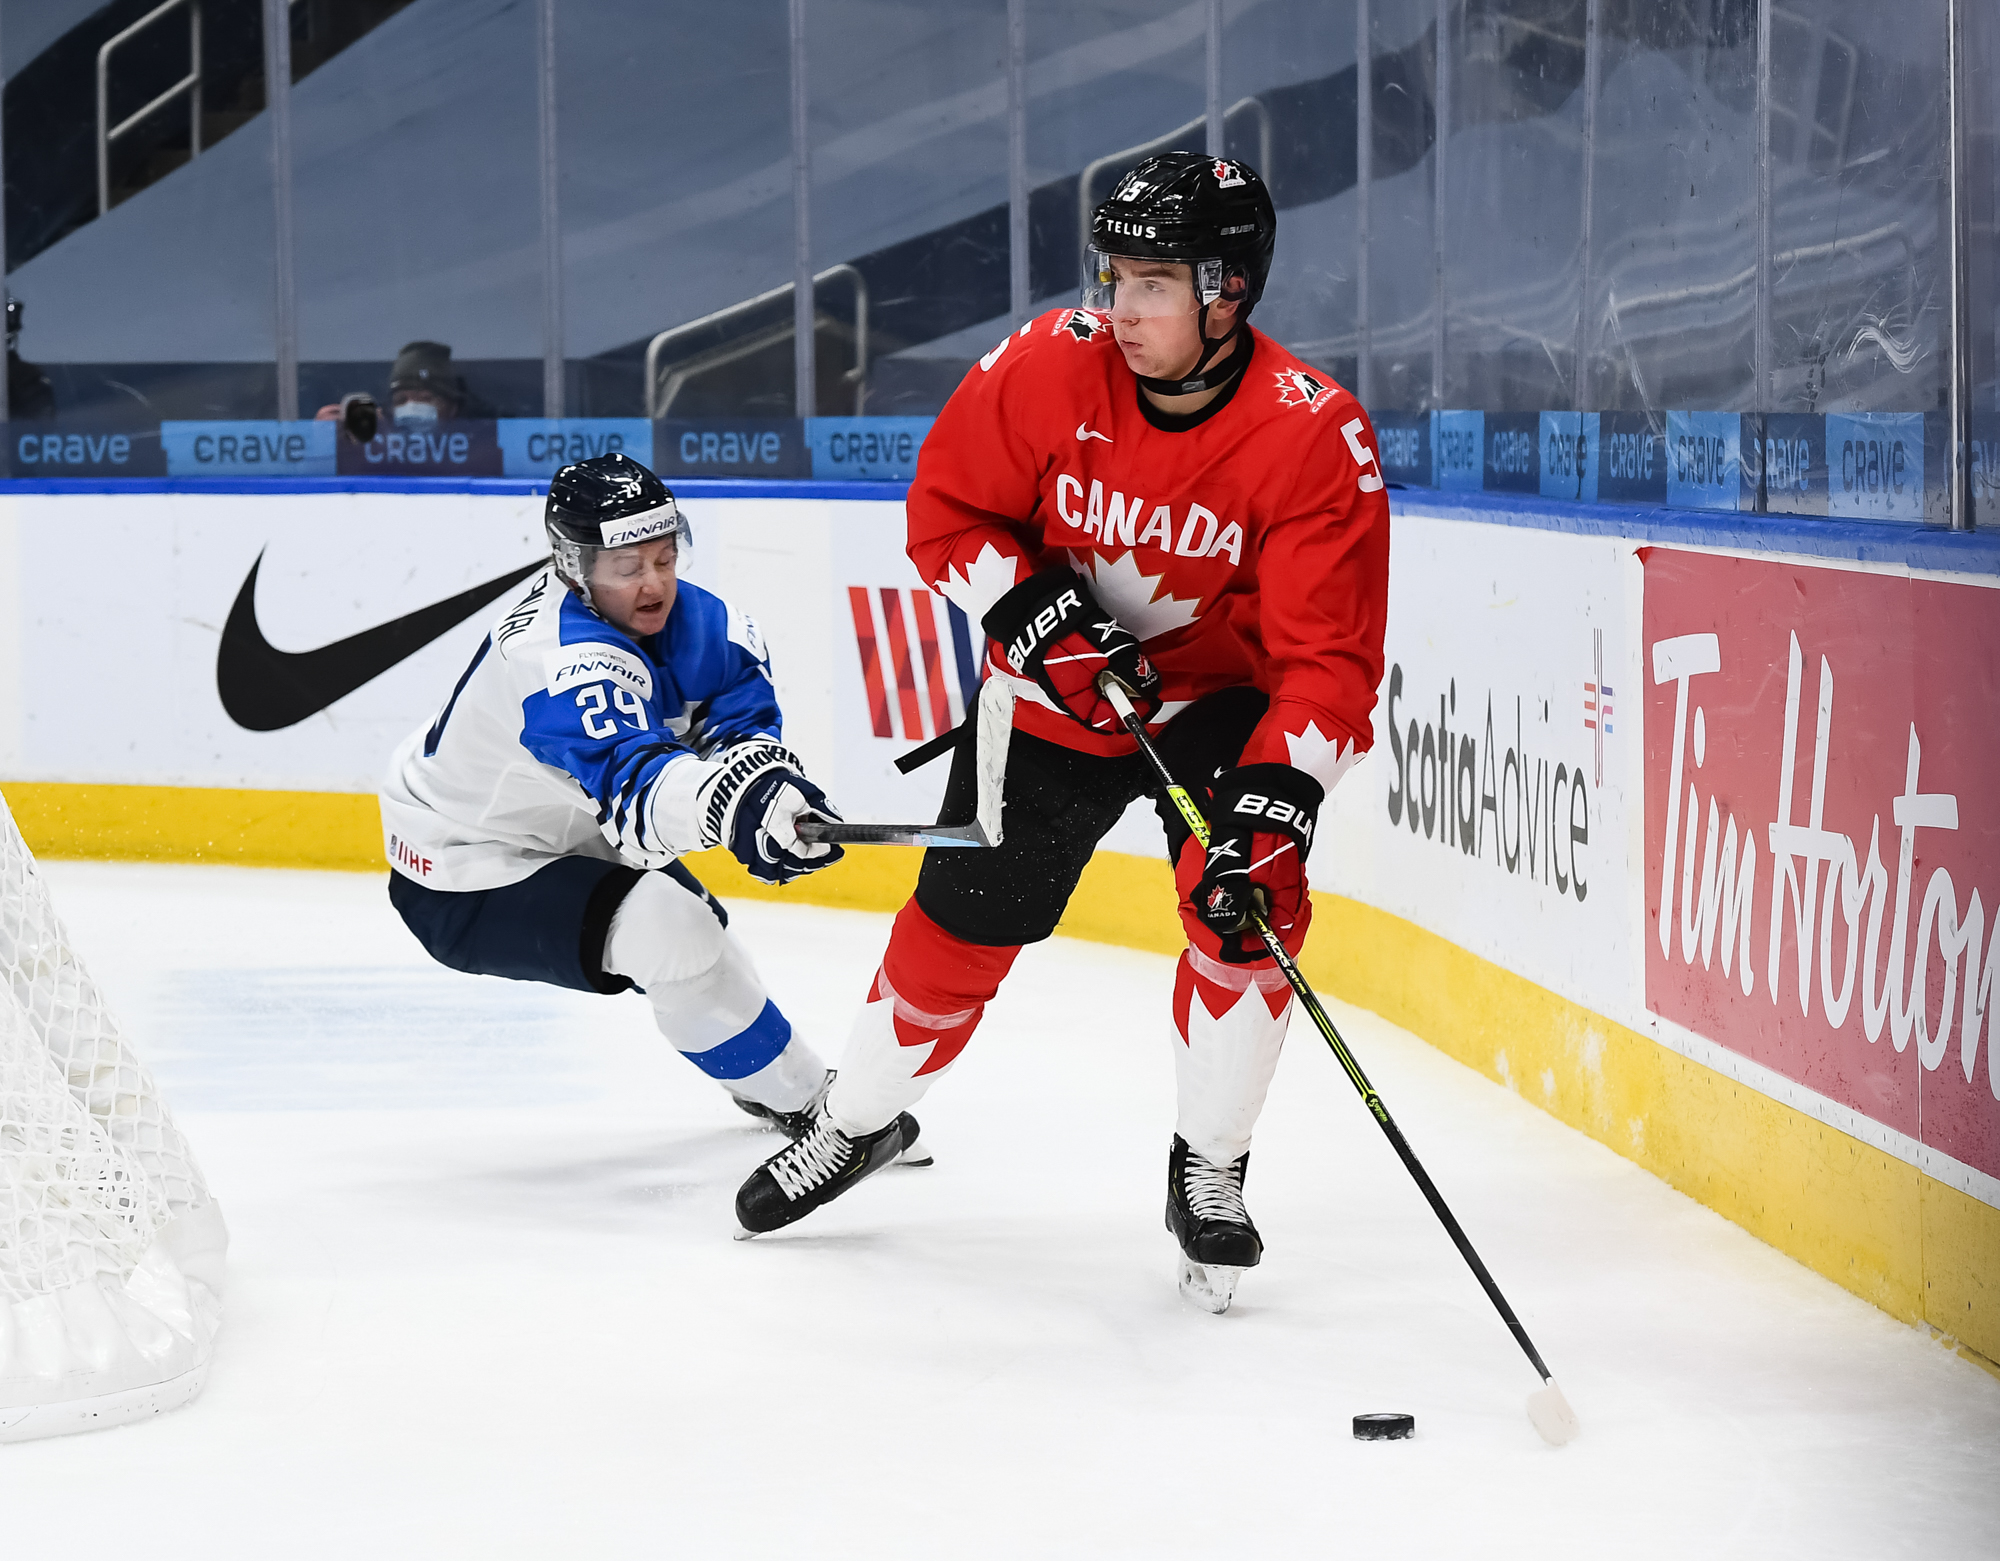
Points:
(706, 995)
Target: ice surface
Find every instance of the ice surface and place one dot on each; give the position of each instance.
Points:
(484, 1302)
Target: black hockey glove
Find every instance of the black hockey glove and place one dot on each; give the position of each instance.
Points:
(764, 832)
(1053, 631)
(750, 798)
(1260, 819)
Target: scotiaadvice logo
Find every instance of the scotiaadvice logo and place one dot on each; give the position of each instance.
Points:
(1500, 777)
(1823, 833)
(920, 660)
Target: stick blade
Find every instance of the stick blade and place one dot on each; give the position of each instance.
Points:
(1552, 1416)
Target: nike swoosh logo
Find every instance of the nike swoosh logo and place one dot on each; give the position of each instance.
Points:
(1085, 431)
(265, 689)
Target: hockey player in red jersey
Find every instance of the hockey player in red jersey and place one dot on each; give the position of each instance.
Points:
(1148, 487)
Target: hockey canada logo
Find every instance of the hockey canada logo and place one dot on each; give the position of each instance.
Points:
(1082, 324)
(1227, 175)
(1297, 388)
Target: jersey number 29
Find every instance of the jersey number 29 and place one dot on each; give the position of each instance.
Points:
(597, 719)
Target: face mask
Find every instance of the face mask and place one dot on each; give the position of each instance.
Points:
(416, 414)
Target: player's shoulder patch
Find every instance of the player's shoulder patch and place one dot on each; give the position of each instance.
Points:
(543, 591)
(1298, 386)
(571, 666)
(1080, 325)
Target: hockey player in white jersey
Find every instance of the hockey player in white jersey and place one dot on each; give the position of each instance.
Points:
(614, 719)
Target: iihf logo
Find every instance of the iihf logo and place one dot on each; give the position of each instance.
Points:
(1227, 175)
(1297, 388)
(1081, 324)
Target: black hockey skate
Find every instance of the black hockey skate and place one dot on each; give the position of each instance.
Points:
(1205, 1212)
(796, 1124)
(816, 1168)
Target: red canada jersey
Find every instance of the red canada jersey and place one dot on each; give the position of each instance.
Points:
(1249, 549)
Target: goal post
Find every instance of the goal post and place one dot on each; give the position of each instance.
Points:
(111, 1249)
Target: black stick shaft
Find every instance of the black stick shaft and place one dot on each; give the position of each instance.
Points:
(1309, 1000)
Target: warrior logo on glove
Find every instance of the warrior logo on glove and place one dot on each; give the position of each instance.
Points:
(1056, 633)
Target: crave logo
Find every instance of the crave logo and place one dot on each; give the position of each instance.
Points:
(919, 662)
(1823, 833)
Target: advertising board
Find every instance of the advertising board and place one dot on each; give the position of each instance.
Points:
(1495, 807)
(1823, 834)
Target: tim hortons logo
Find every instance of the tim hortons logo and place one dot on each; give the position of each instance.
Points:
(1706, 891)
(1297, 388)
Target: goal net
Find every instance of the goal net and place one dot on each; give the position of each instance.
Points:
(111, 1249)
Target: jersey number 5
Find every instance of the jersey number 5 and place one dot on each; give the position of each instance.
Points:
(597, 719)
(1368, 482)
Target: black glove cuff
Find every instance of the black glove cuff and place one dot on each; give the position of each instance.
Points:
(1274, 797)
(1006, 617)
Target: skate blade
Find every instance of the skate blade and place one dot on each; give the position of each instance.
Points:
(743, 1234)
(1210, 1286)
(914, 1154)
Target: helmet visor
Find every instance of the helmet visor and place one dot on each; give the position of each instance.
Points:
(1139, 287)
(624, 541)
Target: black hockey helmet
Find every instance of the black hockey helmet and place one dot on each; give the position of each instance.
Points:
(608, 501)
(1212, 214)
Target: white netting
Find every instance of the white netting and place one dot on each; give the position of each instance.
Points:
(110, 1246)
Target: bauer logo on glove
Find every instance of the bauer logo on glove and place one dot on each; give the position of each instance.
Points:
(1262, 821)
(1057, 634)
(1278, 811)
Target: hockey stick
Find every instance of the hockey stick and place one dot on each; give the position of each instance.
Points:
(1547, 1407)
(993, 728)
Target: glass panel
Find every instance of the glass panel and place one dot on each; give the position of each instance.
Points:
(419, 220)
(162, 306)
(1402, 260)
(1109, 82)
(1288, 76)
(1513, 197)
(909, 188)
(1982, 160)
(1673, 266)
(676, 198)
(1859, 206)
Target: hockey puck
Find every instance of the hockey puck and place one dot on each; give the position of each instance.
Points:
(1384, 1426)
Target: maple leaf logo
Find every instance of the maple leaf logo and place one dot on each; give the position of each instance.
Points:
(1320, 756)
(974, 587)
(1128, 593)
(1082, 324)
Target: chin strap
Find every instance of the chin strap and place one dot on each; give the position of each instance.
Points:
(1199, 379)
